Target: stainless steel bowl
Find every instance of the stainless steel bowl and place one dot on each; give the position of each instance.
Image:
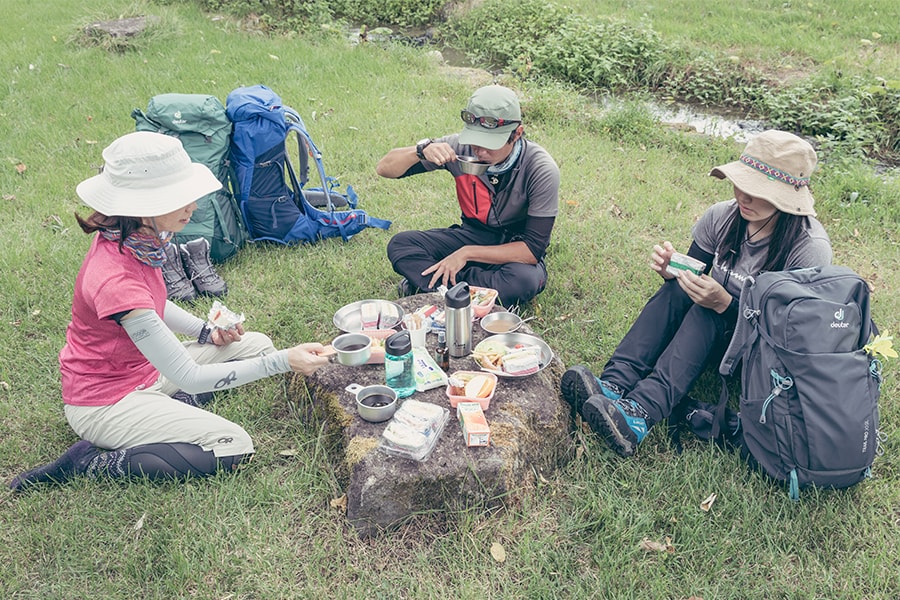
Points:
(352, 349)
(471, 165)
(374, 403)
(349, 319)
(501, 322)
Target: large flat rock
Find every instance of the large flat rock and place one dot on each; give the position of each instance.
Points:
(530, 437)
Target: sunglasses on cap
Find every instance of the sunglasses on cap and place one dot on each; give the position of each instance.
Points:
(487, 122)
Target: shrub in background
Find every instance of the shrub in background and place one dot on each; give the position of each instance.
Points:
(400, 13)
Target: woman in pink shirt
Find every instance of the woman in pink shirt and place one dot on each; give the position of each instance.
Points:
(131, 389)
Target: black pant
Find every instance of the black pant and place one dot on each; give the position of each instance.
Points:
(666, 350)
(411, 252)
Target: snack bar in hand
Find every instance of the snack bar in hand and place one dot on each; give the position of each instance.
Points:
(221, 318)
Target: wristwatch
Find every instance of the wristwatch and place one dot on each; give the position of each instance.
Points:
(420, 147)
(204, 334)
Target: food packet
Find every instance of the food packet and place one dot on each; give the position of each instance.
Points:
(221, 318)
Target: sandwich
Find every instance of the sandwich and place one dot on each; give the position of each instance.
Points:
(522, 361)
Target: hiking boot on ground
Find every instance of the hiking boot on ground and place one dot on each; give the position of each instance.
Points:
(178, 286)
(405, 288)
(73, 462)
(579, 383)
(198, 400)
(623, 422)
(199, 267)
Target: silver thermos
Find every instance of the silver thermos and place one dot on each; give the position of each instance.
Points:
(458, 320)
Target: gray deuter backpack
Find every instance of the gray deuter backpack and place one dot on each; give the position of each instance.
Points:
(809, 392)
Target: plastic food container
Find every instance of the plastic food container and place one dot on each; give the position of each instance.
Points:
(414, 430)
(377, 336)
(483, 300)
(457, 393)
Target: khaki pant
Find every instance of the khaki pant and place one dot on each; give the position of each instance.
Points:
(152, 416)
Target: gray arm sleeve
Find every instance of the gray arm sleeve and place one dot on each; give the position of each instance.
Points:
(181, 321)
(169, 356)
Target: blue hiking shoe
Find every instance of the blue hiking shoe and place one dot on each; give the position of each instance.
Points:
(622, 422)
(578, 384)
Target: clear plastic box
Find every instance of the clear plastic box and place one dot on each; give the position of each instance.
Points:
(414, 430)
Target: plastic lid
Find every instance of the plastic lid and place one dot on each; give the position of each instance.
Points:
(442, 337)
(458, 296)
(398, 344)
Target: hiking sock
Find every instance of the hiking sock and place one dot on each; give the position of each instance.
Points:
(73, 462)
(161, 461)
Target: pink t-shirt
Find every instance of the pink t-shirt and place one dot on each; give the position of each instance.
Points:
(99, 363)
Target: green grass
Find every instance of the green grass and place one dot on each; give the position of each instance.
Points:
(270, 531)
(785, 37)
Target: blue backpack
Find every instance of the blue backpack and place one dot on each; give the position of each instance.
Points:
(276, 208)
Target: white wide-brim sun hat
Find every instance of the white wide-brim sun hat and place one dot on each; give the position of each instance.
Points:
(146, 174)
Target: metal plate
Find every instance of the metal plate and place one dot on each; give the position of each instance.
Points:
(348, 318)
(511, 339)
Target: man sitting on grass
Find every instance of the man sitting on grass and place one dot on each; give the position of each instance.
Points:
(507, 212)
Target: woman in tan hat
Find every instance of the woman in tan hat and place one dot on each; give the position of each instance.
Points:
(132, 391)
(770, 225)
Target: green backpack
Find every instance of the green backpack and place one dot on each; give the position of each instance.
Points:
(199, 121)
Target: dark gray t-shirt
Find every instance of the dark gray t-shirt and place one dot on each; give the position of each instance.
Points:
(530, 189)
(813, 249)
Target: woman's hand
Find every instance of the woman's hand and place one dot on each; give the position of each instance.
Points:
(306, 358)
(705, 291)
(223, 337)
(659, 259)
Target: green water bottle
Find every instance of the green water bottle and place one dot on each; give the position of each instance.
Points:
(399, 369)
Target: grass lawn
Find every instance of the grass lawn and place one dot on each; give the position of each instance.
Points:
(272, 531)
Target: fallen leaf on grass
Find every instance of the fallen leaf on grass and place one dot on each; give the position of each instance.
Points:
(707, 504)
(340, 503)
(9, 197)
(572, 202)
(289, 452)
(498, 552)
(21, 168)
(651, 546)
(4, 386)
(140, 522)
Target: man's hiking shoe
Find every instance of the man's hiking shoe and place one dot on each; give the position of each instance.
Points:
(579, 383)
(178, 286)
(197, 263)
(405, 288)
(623, 422)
